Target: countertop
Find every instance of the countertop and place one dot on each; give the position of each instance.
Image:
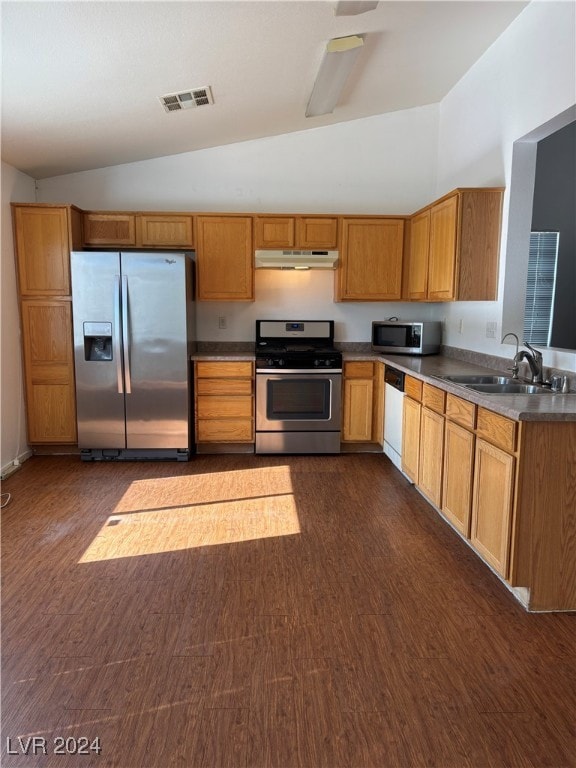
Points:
(430, 369)
(545, 407)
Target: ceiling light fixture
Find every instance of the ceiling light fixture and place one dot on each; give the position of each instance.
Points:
(338, 61)
(354, 7)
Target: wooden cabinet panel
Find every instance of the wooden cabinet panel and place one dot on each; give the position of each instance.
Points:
(225, 431)
(413, 388)
(166, 231)
(224, 404)
(457, 476)
(109, 229)
(460, 411)
(417, 289)
(316, 232)
(49, 368)
(224, 407)
(357, 408)
(370, 266)
(411, 438)
(225, 370)
(442, 257)
(492, 505)
(433, 398)
(497, 429)
(363, 402)
(274, 231)
(43, 250)
(431, 455)
(224, 256)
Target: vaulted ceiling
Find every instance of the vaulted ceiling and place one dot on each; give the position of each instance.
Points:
(81, 81)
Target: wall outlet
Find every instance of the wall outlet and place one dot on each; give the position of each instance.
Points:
(491, 328)
(461, 326)
(222, 323)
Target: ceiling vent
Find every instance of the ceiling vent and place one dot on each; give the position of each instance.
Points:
(196, 97)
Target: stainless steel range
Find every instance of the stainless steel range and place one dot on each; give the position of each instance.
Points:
(298, 387)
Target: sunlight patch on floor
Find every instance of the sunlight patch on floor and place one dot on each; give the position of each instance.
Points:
(197, 511)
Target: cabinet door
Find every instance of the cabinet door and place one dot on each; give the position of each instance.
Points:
(165, 231)
(225, 258)
(371, 260)
(43, 250)
(411, 438)
(109, 229)
(358, 408)
(443, 241)
(274, 231)
(492, 505)
(431, 453)
(49, 371)
(314, 232)
(457, 479)
(418, 263)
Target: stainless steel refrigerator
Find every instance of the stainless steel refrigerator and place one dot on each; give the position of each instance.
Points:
(133, 336)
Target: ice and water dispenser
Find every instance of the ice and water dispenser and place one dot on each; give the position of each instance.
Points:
(98, 342)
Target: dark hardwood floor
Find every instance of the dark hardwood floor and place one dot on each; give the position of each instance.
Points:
(264, 611)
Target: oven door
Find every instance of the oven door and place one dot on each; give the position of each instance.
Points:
(298, 401)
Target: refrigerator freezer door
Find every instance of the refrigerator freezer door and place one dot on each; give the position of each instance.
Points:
(97, 358)
(156, 292)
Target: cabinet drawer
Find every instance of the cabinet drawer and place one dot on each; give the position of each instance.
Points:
(497, 429)
(359, 370)
(233, 369)
(461, 411)
(433, 398)
(225, 431)
(413, 388)
(224, 407)
(224, 387)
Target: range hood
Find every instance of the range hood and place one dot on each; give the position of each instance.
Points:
(296, 259)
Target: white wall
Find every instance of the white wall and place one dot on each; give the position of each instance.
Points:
(16, 187)
(383, 164)
(524, 80)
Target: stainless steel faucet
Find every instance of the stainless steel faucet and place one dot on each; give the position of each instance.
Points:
(534, 360)
(516, 367)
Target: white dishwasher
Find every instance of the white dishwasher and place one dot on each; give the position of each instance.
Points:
(393, 407)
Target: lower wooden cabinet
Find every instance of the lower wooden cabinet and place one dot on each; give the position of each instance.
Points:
(362, 402)
(492, 503)
(457, 476)
(224, 400)
(411, 438)
(431, 453)
(49, 366)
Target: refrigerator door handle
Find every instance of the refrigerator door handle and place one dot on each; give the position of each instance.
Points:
(117, 344)
(126, 336)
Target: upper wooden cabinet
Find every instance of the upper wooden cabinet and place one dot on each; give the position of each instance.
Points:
(139, 230)
(454, 247)
(305, 232)
(166, 231)
(109, 229)
(44, 236)
(370, 266)
(225, 259)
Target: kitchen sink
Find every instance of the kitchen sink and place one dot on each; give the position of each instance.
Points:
(511, 388)
(469, 380)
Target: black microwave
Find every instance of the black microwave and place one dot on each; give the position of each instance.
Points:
(406, 338)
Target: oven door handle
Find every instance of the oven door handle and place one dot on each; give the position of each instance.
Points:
(302, 371)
